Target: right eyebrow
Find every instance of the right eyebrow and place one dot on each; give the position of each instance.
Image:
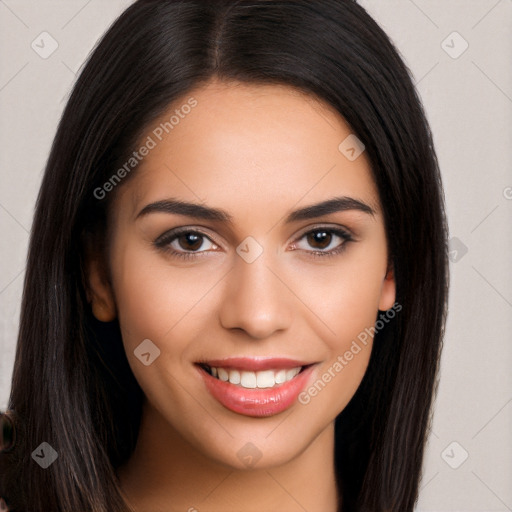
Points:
(174, 206)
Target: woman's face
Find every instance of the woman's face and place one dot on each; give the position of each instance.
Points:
(248, 245)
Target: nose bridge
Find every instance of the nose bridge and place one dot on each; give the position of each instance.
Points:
(256, 301)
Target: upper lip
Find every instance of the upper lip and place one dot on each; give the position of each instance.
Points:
(254, 364)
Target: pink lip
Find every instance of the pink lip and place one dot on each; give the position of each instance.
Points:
(255, 364)
(257, 402)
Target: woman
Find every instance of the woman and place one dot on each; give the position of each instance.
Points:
(236, 286)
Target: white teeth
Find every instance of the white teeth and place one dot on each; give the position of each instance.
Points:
(248, 380)
(251, 380)
(280, 376)
(223, 374)
(265, 379)
(291, 373)
(234, 377)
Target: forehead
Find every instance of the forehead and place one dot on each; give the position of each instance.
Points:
(244, 145)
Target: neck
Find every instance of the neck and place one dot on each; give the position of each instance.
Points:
(167, 473)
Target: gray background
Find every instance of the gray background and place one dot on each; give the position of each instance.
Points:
(468, 99)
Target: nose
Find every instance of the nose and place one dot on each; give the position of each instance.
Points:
(255, 300)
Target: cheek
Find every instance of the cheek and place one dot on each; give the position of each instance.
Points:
(155, 302)
(350, 315)
(152, 296)
(346, 298)
(344, 295)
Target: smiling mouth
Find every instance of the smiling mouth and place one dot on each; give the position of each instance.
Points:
(257, 387)
(263, 379)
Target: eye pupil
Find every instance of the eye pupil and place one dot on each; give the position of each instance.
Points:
(319, 239)
(190, 241)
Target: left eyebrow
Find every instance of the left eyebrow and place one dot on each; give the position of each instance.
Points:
(338, 204)
(174, 206)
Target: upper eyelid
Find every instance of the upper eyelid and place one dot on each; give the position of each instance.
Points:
(325, 226)
(175, 232)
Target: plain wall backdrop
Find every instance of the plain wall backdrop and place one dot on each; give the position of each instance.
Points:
(460, 54)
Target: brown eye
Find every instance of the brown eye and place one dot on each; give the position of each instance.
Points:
(185, 243)
(190, 241)
(324, 241)
(319, 239)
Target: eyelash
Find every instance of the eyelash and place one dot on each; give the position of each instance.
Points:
(163, 242)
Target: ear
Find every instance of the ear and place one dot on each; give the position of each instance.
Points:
(388, 290)
(98, 287)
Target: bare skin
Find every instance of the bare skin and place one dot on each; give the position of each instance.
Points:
(258, 153)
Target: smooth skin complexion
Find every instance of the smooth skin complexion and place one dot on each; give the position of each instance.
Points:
(259, 153)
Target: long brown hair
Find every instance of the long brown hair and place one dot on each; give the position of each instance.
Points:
(72, 386)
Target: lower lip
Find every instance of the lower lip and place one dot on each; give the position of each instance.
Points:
(256, 402)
